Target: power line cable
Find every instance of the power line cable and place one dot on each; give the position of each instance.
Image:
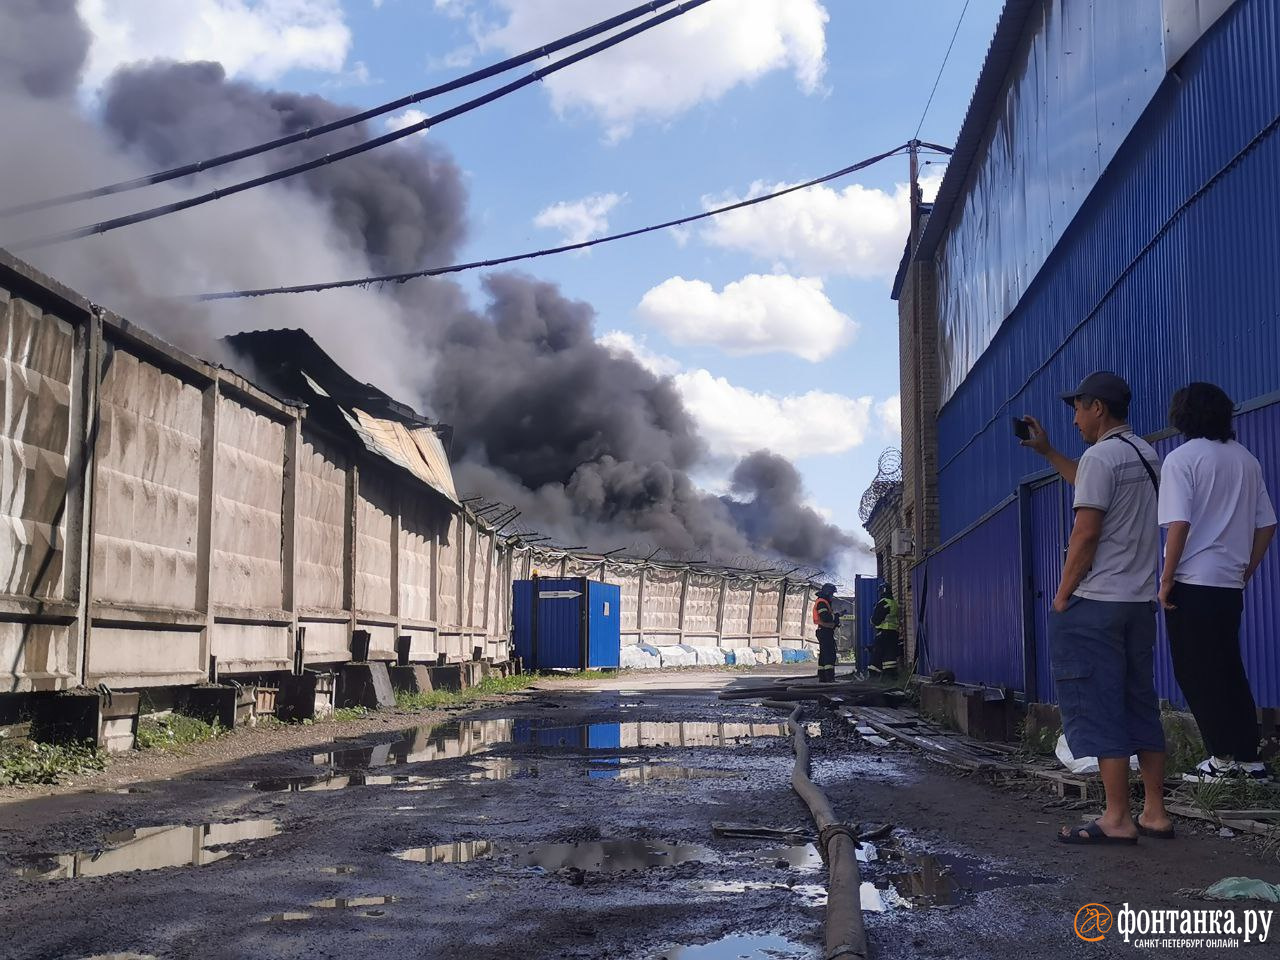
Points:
(200, 166)
(945, 58)
(499, 261)
(105, 226)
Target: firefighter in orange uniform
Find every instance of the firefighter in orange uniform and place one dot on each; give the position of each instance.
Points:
(826, 621)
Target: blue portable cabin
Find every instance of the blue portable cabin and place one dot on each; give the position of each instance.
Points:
(567, 623)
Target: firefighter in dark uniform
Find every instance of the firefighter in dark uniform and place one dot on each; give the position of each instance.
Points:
(885, 620)
(826, 620)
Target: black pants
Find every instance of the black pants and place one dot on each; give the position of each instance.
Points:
(826, 653)
(1204, 637)
(885, 650)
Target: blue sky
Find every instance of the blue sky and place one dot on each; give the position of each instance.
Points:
(748, 316)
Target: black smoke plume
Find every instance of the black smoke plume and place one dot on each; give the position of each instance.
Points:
(591, 446)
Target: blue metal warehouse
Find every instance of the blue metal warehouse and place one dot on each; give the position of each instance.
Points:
(1111, 204)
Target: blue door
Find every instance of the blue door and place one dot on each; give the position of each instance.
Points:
(604, 625)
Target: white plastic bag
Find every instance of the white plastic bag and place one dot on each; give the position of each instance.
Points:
(1080, 764)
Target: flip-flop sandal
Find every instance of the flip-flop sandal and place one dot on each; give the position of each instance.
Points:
(1094, 836)
(1154, 834)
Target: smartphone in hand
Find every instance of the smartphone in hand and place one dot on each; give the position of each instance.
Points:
(1021, 429)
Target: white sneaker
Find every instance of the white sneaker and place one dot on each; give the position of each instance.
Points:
(1213, 769)
(1257, 772)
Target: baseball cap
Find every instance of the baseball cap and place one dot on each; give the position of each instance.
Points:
(1102, 384)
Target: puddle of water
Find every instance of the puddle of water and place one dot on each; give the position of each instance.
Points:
(800, 857)
(338, 870)
(611, 856)
(288, 917)
(431, 742)
(469, 737)
(121, 956)
(923, 880)
(336, 782)
(635, 770)
(745, 947)
(151, 848)
(351, 903)
(464, 851)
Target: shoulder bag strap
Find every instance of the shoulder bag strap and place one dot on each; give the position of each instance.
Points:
(1155, 481)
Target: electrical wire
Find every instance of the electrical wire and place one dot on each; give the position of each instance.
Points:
(105, 226)
(476, 76)
(945, 58)
(582, 245)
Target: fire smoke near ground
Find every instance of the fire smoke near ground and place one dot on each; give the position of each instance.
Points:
(593, 448)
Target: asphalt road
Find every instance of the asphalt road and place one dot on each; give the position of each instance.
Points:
(569, 823)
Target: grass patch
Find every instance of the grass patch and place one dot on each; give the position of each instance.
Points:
(442, 699)
(1182, 744)
(348, 714)
(29, 762)
(1233, 793)
(582, 675)
(1037, 741)
(175, 730)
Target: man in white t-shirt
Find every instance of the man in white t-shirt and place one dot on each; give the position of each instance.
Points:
(1220, 520)
(1102, 628)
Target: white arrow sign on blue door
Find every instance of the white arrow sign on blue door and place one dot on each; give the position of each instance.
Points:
(559, 594)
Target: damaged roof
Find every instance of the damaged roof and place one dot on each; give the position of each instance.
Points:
(297, 368)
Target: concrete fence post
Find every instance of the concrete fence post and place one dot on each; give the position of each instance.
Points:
(204, 526)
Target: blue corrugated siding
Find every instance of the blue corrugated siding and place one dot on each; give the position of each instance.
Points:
(604, 629)
(522, 620)
(973, 597)
(559, 624)
(1199, 303)
(866, 591)
(1050, 528)
(1260, 630)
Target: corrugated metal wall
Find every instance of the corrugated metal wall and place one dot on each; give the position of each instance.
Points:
(973, 603)
(971, 639)
(866, 590)
(1166, 275)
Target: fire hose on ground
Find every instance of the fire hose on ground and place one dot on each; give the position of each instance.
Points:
(846, 938)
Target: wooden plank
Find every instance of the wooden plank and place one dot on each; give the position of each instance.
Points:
(1241, 826)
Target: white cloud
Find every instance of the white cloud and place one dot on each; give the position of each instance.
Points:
(259, 39)
(622, 344)
(580, 220)
(406, 118)
(856, 231)
(695, 58)
(890, 413)
(773, 313)
(735, 421)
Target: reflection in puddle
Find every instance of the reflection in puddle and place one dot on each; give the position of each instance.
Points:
(352, 903)
(151, 848)
(432, 742)
(469, 737)
(922, 880)
(287, 917)
(337, 782)
(749, 947)
(628, 770)
(611, 856)
(463, 851)
(801, 857)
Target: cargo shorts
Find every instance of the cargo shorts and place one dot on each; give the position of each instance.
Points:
(1103, 658)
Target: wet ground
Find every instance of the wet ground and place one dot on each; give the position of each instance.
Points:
(568, 824)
